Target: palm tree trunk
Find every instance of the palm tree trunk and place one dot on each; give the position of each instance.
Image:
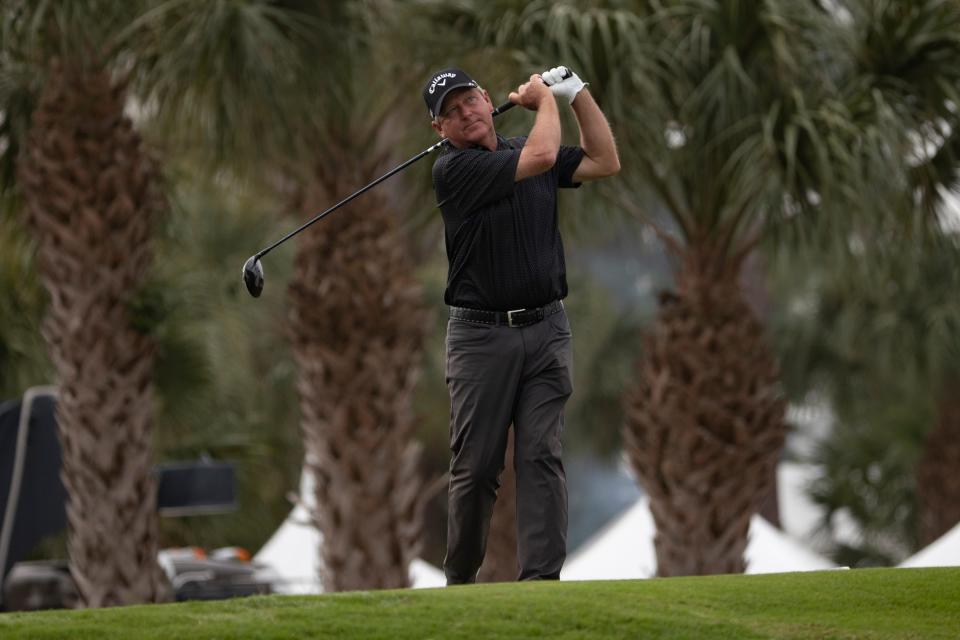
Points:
(753, 283)
(705, 422)
(938, 484)
(357, 326)
(500, 561)
(89, 192)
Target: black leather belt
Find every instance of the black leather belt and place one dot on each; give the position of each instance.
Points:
(514, 318)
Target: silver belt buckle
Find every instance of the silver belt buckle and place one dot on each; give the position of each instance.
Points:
(510, 316)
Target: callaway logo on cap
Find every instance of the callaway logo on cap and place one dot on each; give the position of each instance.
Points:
(440, 84)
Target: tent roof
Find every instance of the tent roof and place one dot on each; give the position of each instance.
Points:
(943, 552)
(624, 550)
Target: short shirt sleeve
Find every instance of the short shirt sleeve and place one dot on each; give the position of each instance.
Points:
(468, 179)
(568, 159)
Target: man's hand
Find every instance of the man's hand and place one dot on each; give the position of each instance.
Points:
(531, 94)
(563, 87)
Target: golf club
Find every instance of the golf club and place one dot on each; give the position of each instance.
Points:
(253, 270)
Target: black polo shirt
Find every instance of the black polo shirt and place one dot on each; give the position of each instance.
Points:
(503, 242)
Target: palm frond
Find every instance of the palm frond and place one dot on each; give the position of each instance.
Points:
(223, 75)
(23, 355)
(911, 50)
(75, 32)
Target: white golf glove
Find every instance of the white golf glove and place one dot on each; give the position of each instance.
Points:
(563, 87)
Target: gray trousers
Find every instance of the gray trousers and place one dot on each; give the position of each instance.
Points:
(498, 375)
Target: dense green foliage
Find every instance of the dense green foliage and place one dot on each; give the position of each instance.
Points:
(224, 374)
(23, 359)
(873, 334)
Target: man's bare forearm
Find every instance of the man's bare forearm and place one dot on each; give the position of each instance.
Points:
(539, 152)
(544, 137)
(596, 137)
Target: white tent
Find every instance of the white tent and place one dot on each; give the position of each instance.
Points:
(290, 557)
(624, 550)
(943, 552)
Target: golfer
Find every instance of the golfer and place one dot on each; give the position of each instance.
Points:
(509, 358)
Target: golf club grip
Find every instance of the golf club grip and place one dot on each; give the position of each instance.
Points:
(510, 105)
(566, 74)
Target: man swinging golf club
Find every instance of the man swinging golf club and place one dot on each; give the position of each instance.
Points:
(509, 357)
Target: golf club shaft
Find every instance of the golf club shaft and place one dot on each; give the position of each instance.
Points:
(504, 107)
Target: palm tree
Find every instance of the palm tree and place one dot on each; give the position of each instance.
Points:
(739, 123)
(880, 343)
(91, 193)
(356, 328)
(860, 90)
(356, 320)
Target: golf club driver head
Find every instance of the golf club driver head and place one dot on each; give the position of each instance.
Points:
(253, 276)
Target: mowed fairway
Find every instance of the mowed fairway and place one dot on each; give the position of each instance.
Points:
(865, 603)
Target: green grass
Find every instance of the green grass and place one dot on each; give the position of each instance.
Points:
(865, 603)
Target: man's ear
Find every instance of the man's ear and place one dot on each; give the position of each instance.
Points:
(437, 128)
(486, 96)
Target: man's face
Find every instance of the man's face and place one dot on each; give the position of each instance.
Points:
(466, 118)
